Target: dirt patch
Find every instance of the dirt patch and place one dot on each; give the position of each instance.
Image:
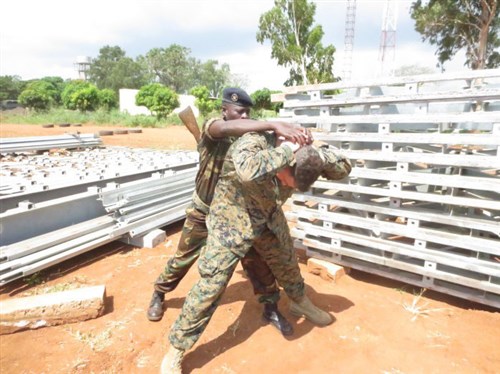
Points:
(382, 326)
(172, 137)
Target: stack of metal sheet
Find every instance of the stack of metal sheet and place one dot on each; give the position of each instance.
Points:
(422, 204)
(41, 143)
(89, 198)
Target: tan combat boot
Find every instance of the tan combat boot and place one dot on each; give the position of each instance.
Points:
(172, 361)
(305, 308)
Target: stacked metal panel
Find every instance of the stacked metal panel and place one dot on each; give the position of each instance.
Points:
(40, 143)
(103, 195)
(422, 204)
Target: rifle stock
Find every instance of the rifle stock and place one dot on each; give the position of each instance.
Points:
(189, 120)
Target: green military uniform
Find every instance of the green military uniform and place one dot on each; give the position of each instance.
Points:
(194, 232)
(245, 212)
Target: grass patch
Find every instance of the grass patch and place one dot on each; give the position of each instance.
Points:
(77, 282)
(418, 308)
(100, 117)
(98, 341)
(34, 279)
(57, 116)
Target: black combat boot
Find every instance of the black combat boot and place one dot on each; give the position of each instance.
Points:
(155, 311)
(272, 315)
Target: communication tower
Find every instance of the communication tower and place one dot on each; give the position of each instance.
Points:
(350, 21)
(387, 50)
(82, 66)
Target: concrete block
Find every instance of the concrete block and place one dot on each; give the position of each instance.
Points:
(51, 309)
(325, 269)
(150, 240)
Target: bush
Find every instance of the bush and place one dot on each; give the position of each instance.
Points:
(203, 102)
(107, 99)
(38, 95)
(262, 100)
(159, 99)
(68, 92)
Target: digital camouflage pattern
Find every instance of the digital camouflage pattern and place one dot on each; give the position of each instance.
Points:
(194, 232)
(246, 211)
(247, 199)
(336, 165)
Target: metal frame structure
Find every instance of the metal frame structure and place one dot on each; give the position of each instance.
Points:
(105, 194)
(422, 204)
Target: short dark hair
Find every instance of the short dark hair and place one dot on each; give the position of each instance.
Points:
(308, 167)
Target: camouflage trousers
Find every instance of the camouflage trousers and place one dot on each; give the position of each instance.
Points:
(193, 239)
(216, 266)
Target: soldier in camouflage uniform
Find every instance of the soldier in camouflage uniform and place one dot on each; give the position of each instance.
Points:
(215, 141)
(255, 181)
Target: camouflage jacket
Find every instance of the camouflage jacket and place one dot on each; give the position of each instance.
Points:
(248, 197)
(336, 165)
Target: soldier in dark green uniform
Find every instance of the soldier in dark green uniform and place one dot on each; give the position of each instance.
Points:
(217, 136)
(256, 179)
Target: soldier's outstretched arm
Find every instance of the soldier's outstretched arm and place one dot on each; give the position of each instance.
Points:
(254, 160)
(238, 127)
(337, 165)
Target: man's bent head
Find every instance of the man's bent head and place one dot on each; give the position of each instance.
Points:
(308, 167)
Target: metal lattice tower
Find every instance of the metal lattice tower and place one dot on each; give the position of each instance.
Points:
(387, 50)
(350, 21)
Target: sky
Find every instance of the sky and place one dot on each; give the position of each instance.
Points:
(41, 38)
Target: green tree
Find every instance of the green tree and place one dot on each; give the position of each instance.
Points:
(128, 73)
(159, 99)
(213, 76)
(86, 98)
(38, 95)
(107, 99)
(262, 100)
(113, 70)
(58, 83)
(454, 25)
(10, 87)
(68, 92)
(171, 66)
(204, 102)
(296, 43)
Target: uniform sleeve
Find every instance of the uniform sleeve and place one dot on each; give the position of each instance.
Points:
(207, 143)
(206, 126)
(255, 157)
(336, 166)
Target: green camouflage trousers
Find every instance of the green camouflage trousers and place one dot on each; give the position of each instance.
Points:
(193, 238)
(216, 266)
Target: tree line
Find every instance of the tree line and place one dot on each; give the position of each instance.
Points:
(160, 76)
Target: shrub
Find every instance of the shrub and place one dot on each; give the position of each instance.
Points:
(158, 99)
(107, 99)
(38, 95)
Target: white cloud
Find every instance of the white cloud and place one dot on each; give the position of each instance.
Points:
(44, 37)
(257, 67)
(38, 37)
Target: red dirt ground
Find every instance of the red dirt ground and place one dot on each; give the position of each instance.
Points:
(375, 331)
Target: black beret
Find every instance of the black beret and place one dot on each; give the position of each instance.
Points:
(236, 96)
